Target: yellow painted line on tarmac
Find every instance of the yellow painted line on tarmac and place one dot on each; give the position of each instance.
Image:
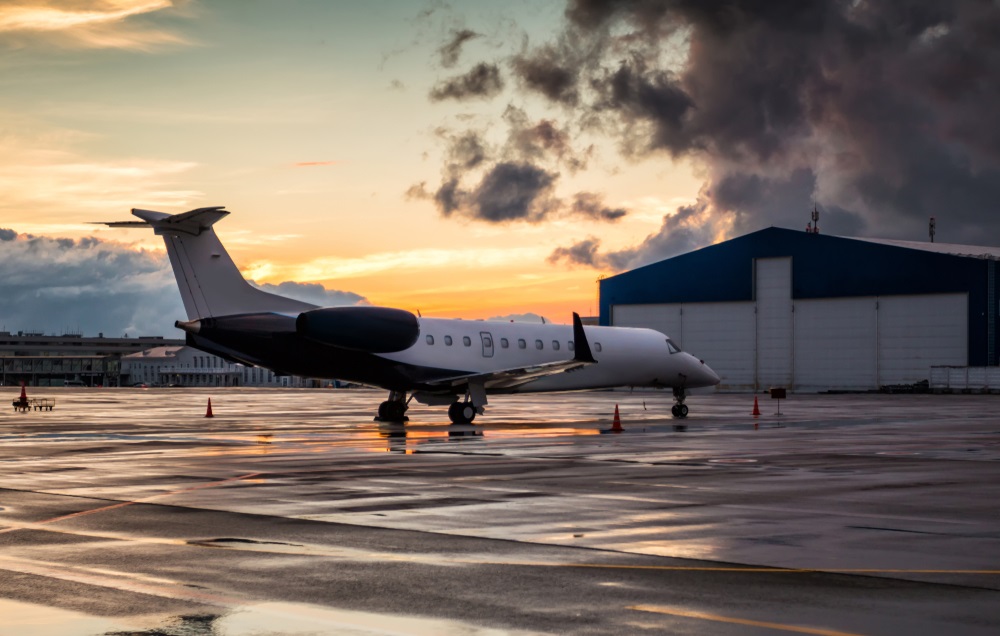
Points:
(738, 621)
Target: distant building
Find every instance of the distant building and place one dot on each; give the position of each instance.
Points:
(40, 360)
(187, 366)
(811, 312)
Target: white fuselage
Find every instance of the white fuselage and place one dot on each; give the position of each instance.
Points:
(625, 356)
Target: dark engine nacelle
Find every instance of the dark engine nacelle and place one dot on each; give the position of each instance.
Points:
(369, 329)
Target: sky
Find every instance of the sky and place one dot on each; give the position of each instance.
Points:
(472, 159)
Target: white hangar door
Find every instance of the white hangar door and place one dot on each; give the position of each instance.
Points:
(773, 293)
(721, 334)
(918, 332)
(835, 340)
(662, 317)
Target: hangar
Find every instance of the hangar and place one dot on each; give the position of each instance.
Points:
(811, 312)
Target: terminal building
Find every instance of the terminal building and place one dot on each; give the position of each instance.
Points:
(69, 359)
(810, 312)
(187, 366)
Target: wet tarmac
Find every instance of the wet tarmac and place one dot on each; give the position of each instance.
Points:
(126, 512)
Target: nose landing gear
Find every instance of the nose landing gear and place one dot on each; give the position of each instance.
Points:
(680, 409)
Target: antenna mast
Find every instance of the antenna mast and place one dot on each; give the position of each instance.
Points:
(932, 228)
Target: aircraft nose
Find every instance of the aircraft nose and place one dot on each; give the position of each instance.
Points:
(701, 374)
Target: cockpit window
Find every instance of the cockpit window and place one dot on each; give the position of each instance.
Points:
(672, 347)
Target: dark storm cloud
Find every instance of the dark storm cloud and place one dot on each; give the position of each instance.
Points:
(580, 253)
(512, 181)
(883, 113)
(511, 192)
(592, 205)
(90, 285)
(541, 140)
(483, 81)
(313, 293)
(546, 73)
(466, 151)
(451, 50)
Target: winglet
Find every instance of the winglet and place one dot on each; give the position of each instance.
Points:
(583, 353)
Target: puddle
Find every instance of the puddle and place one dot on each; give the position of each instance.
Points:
(297, 619)
(264, 619)
(38, 620)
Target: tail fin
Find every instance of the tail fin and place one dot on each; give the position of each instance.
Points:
(209, 281)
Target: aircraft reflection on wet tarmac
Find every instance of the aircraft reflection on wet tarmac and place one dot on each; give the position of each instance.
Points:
(292, 510)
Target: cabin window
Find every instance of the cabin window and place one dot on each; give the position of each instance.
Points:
(597, 347)
(521, 344)
(555, 345)
(538, 344)
(467, 341)
(504, 343)
(570, 345)
(447, 340)
(672, 347)
(430, 340)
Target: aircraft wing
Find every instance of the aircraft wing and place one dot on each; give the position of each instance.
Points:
(509, 378)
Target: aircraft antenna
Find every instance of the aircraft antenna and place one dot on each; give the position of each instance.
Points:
(932, 228)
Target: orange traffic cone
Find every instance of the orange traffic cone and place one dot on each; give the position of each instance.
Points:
(208, 412)
(756, 409)
(616, 425)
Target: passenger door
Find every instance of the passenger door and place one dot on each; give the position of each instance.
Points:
(487, 344)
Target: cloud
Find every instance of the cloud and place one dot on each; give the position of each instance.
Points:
(545, 73)
(85, 23)
(592, 205)
(452, 49)
(483, 81)
(879, 112)
(90, 285)
(514, 180)
(312, 164)
(543, 140)
(580, 253)
(331, 268)
(44, 173)
(512, 191)
(313, 293)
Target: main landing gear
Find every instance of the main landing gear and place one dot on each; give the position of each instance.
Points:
(679, 409)
(461, 412)
(393, 409)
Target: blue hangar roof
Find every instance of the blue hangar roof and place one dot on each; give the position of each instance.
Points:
(822, 267)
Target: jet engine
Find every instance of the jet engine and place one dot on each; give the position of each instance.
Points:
(368, 329)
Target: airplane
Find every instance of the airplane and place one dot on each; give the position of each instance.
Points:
(435, 361)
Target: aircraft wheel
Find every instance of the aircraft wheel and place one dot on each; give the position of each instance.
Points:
(682, 410)
(391, 411)
(673, 411)
(461, 413)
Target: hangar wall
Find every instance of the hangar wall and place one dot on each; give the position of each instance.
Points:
(812, 344)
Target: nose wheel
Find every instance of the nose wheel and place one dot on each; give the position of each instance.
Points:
(679, 409)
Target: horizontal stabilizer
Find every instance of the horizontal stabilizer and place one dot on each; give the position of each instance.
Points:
(192, 222)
